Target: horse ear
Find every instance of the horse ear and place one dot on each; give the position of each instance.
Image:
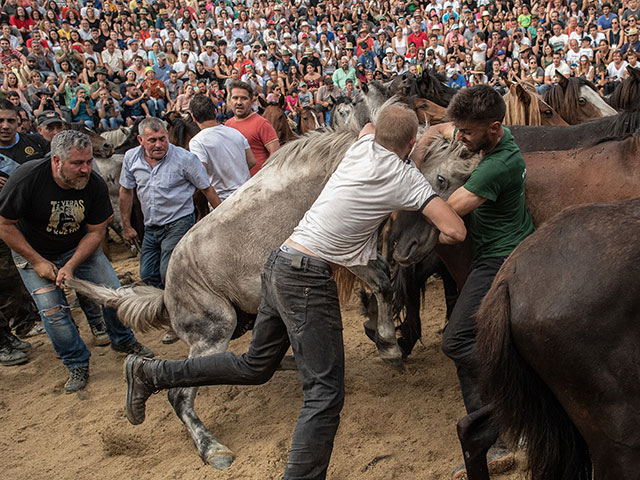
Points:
(508, 83)
(364, 88)
(523, 95)
(634, 72)
(281, 101)
(263, 102)
(562, 80)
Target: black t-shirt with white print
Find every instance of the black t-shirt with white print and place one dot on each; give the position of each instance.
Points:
(52, 219)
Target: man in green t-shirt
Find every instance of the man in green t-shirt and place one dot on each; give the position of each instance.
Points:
(493, 197)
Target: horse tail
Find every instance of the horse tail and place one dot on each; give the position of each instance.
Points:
(139, 307)
(525, 409)
(345, 281)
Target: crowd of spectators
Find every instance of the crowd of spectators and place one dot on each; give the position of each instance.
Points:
(108, 62)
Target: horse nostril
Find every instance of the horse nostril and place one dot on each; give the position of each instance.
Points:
(107, 146)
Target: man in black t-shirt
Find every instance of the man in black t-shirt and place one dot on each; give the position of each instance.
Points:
(53, 215)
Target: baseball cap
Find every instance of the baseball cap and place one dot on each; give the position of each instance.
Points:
(148, 69)
(131, 40)
(184, 52)
(389, 50)
(286, 35)
(500, 52)
(72, 74)
(48, 117)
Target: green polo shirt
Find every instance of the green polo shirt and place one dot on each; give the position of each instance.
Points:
(503, 221)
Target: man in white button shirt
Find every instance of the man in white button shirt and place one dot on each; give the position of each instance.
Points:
(300, 300)
(224, 151)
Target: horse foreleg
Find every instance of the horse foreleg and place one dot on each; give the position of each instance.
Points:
(210, 450)
(376, 276)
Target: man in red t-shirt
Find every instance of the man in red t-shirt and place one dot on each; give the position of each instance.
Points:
(417, 36)
(260, 134)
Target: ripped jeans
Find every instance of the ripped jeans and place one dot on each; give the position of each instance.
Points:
(54, 310)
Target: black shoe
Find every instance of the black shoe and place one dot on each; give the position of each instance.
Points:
(139, 389)
(10, 356)
(17, 344)
(78, 378)
(134, 348)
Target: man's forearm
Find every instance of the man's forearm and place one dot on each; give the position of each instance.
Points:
(15, 241)
(212, 197)
(88, 244)
(126, 204)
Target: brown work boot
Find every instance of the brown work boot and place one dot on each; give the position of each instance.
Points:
(139, 388)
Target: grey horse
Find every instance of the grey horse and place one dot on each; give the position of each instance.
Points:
(212, 288)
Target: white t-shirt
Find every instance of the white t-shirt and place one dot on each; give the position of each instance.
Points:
(550, 71)
(222, 150)
(371, 182)
(616, 73)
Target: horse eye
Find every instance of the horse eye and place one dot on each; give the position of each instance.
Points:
(442, 182)
(582, 101)
(548, 113)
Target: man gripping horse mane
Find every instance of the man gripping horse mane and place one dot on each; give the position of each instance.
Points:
(493, 197)
(300, 304)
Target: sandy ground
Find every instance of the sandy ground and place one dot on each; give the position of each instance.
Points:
(394, 424)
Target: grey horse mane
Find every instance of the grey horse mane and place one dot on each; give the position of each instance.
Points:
(451, 153)
(328, 144)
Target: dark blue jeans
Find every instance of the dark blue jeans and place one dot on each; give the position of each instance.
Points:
(157, 246)
(299, 308)
(459, 335)
(54, 310)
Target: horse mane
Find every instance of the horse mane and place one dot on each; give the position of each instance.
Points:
(182, 131)
(626, 95)
(625, 123)
(563, 99)
(431, 85)
(328, 143)
(453, 153)
(517, 112)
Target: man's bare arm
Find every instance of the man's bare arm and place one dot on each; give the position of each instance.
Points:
(15, 240)
(445, 219)
(251, 159)
(212, 196)
(273, 146)
(126, 204)
(87, 245)
(463, 201)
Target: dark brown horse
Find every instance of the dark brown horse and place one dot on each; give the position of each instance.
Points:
(559, 335)
(428, 112)
(555, 180)
(577, 100)
(274, 114)
(626, 95)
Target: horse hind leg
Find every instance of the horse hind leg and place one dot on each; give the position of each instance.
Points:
(203, 341)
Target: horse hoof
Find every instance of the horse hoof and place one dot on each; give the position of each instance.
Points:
(395, 363)
(220, 458)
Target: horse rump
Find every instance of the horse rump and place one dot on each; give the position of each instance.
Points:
(140, 307)
(524, 408)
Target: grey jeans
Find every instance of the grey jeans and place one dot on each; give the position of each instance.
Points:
(299, 308)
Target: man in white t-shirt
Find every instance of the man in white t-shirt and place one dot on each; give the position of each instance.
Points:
(559, 40)
(224, 151)
(573, 54)
(299, 298)
(209, 58)
(550, 75)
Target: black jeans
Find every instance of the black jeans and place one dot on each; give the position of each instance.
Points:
(17, 310)
(299, 308)
(459, 336)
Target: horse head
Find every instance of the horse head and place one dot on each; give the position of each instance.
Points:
(101, 147)
(274, 114)
(428, 112)
(577, 100)
(447, 166)
(626, 95)
(526, 107)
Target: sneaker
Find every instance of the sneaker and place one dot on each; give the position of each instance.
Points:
(10, 356)
(139, 389)
(134, 348)
(37, 329)
(17, 344)
(100, 335)
(78, 378)
(170, 337)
